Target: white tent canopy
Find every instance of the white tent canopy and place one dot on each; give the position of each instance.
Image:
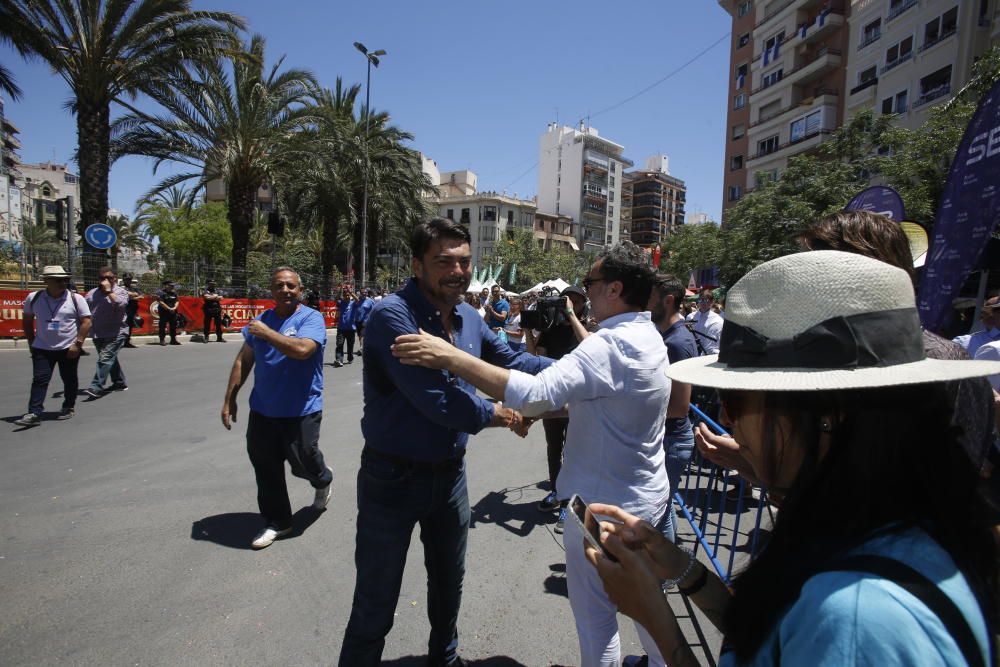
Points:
(558, 283)
(477, 287)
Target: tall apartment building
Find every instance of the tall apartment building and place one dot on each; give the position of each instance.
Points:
(656, 202)
(908, 55)
(488, 215)
(10, 192)
(580, 175)
(786, 91)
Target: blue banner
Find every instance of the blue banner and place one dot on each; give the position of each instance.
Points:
(879, 199)
(969, 211)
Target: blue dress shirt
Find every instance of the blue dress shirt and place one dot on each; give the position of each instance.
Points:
(419, 413)
(346, 314)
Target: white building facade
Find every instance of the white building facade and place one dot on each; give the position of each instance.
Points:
(488, 215)
(580, 175)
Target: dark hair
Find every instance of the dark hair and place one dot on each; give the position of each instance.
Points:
(668, 285)
(286, 269)
(436, 228)
(862, 233)
(707, 291)
(626, 263)
(896, 470)
(107, 269)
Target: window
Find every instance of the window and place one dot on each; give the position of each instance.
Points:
(740, 101)
(510, 217)
(46, 191)
(771, 78)
(450, 214)
(898, 53)
(611, 195)
(806, 126)
(611, 211)
(736, 163)
(767, 146)
(769, 44)
(744, 8)
(870, 74)
(769, 110)
(465, 216)
(735, 192)
(871, 33)
(739, 131)
(935, 85)
(768, 176)
(489, 213)
(941, 27)
(895, 104)
(743, 40)
(741, 75)
(612, 182)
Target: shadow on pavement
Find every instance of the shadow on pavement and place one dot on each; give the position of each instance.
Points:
(555, 583)
(519, 518)
(421, 661)
(237, 529)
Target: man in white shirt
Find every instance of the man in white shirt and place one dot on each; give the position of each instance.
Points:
(707, 324)
(616, 392)
(989, 333)
(56, 322)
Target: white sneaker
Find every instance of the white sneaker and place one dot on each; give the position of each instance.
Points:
(323, 494)
(267, 537)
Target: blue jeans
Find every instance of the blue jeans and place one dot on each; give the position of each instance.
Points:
(678, 451)
(43, 362)
(392, 499)
(107, 362)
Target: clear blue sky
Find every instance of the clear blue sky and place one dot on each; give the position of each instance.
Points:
(477, 82)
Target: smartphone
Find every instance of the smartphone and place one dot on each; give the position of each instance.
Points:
(589, 525)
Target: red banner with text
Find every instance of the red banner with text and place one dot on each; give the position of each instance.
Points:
(240, 312)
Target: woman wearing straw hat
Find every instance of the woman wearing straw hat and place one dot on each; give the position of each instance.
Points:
(882, 552)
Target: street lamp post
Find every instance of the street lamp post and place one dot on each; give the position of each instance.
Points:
(373, 59)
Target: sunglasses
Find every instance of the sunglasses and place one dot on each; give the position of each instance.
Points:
(588, 281)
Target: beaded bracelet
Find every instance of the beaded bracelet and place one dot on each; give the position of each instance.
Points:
(671, 583)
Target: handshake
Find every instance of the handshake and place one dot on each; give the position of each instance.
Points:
(512, 419)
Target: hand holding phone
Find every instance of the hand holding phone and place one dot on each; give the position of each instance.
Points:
(589, 525)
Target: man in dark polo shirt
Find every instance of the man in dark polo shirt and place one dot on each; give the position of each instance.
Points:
(678, 436)
(416, 425)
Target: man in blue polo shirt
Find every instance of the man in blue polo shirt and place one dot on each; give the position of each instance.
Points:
(416, 424)
(284, 347)
(497, 309)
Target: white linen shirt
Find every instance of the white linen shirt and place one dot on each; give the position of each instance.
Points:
(709, 324)
(617, 393)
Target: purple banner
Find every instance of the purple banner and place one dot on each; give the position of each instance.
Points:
(969, 211)
(879, 199)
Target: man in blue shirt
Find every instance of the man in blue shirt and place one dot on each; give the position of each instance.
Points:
(678, 436)
(497, 309)
(364, 310)
(284, 347)
(416, 424)
(346, 321)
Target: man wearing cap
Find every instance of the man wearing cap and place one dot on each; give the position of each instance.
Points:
(989, 333)
(211, 307)
(167, 302)
(108, 305)
(63, 322)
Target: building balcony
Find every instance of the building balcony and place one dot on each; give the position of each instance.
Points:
(899, 9)
(820, 97)
(589, 166)
(937, 40)
(824, 24)
(897, 62)
(825, 61)
(931, 95)
(788, 148)
(863, 93)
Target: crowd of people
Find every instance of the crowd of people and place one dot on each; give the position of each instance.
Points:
(874, 439)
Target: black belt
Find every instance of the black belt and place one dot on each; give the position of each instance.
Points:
(423, 466)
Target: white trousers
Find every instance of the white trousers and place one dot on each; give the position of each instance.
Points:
(596, 617)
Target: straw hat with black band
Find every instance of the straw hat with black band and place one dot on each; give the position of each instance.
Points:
(820, 321)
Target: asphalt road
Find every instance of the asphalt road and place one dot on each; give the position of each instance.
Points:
(124, 534)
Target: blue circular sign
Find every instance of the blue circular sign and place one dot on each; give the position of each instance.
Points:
(100, 236)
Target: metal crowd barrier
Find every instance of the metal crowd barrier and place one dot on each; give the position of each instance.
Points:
(701, 498)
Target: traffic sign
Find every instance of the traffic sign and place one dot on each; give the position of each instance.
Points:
(100, 236)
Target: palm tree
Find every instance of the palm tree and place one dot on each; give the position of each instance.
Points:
(132, 235)
(38, 238)
(231, 125)
(7, 84)
(107, 51)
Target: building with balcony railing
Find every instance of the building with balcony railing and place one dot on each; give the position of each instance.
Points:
(11, 206)
(913, 54)
(657, 202)
(787, 85)
(489, 216)
(580, 175)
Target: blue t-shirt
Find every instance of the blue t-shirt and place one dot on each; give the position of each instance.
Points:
(854, 618)
(346, 310)
(363, 310)
(680, 345)
(284, 387)
(501, 306)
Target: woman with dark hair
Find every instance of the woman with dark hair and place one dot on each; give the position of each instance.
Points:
(882, 552)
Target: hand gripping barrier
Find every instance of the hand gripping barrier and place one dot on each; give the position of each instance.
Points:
(701, 498)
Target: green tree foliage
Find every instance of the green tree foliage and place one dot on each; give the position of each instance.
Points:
(689, 248)
(534, 264)
(200, 233)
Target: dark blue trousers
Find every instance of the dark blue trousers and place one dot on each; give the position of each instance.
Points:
(392, 499)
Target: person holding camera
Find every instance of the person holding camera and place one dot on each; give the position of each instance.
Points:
(167, 302)
(617, 395)
(211, 306)
(108, 305)
(556, 343)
